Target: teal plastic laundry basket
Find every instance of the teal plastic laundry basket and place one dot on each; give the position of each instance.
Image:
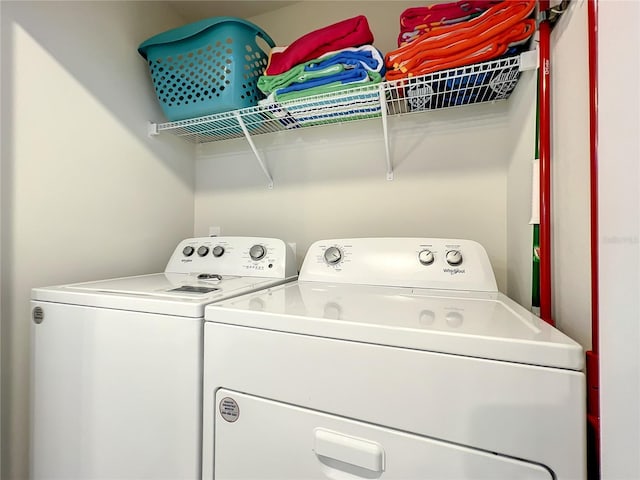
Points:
(207, 67)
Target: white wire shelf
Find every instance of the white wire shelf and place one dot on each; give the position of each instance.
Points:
(478, 83)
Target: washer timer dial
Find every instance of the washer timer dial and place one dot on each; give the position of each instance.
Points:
(332, 255)
(257, 252)
(218, 251)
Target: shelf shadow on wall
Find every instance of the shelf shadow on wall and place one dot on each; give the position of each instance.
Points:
(443, 142)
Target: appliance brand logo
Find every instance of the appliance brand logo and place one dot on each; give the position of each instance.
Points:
(454, 271)
(186, 260)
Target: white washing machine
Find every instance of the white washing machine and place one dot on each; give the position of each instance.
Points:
(390, 358)
(117, 364)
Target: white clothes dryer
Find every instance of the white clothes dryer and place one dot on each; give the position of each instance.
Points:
(391, 358)
(117, 364)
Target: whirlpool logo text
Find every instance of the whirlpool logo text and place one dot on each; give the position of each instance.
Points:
(453, 271)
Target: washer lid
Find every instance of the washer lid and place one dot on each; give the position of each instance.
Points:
(477, 324)
(181, 294)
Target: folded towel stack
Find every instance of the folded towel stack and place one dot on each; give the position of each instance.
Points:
(333, 58)
(331, 62)
(491, 34)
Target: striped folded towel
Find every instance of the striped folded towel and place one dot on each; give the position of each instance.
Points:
(344, 105)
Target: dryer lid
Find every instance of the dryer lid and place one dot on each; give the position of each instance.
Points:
(485, 325)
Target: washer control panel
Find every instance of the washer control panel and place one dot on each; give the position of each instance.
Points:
(239, 256)
(452, 264)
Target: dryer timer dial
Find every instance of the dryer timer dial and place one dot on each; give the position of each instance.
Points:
(332, 255)
(454, 257)
(426, 257)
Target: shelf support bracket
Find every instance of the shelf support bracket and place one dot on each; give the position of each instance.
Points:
(253, 148)
(152, 129)
(385, 129)
(529, 60)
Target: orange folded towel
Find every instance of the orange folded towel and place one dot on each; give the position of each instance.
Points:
(479, 39)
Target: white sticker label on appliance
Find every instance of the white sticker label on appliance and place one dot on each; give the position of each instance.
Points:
(38, 315)
(229, 409)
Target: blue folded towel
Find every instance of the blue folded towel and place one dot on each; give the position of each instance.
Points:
(344, 77)
(367, 57)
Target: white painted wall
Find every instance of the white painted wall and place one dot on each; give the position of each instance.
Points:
(522, 113)
(450, 166)
(85, 194)
(571, 295)
(619, 221)
(330, 182)
(570, 194)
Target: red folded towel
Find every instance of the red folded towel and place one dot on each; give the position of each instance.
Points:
(352, 32)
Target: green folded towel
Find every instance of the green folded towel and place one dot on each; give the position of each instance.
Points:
(270, 83)
(372, 79)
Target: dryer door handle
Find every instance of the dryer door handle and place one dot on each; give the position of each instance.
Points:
(354, 451)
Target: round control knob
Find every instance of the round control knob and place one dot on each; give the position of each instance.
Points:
(188, 251)
(202, 251)
(217, 251)
(454, 257)
(426, 257)
(427, 317)
(332, 255)
(454, 319)
(257, 252)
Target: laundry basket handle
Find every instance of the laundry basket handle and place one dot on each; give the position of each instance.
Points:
(192, 29)
(264, 35)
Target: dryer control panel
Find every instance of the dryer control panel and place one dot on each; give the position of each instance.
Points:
(451, 264)
(241, 256)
